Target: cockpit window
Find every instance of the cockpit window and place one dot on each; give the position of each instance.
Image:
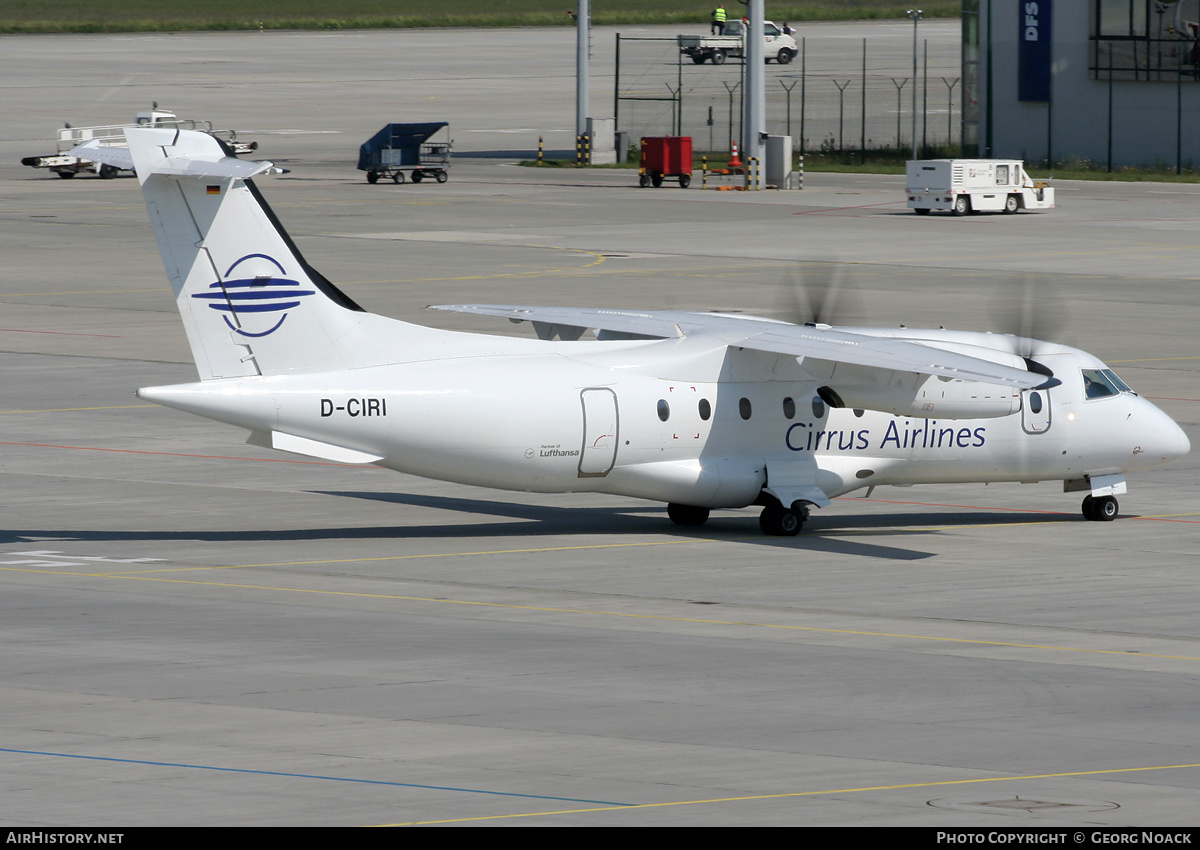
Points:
(1102, 383)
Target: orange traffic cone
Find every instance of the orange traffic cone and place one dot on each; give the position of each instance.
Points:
(734, 162)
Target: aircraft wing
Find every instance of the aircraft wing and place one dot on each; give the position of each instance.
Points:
(818, 343)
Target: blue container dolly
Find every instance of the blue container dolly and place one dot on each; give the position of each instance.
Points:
(400, 148)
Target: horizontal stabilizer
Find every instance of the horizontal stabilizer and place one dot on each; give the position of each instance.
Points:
(93, 151)
(185, 161)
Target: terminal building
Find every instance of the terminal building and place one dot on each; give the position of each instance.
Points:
(1111, 82)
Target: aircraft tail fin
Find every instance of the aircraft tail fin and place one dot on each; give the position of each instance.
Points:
(249, 301)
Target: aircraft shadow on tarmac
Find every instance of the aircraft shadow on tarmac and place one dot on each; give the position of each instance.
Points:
(832, 534)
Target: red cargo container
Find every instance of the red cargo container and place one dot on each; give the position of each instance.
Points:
(666, 156)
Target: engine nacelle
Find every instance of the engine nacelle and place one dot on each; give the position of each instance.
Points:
(911, 394)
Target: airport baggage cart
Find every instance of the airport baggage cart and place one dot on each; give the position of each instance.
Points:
(666, 157)
(421, 150)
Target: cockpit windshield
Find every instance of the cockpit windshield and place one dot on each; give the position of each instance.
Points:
(1102, 383)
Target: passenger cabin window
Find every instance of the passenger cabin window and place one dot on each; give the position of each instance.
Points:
(818, 407)
(664, 410)
(705, 409)
(789, 408)
(1102, 383)
(744, 408)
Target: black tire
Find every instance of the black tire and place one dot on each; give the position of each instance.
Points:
(685, 180)
(108, 172)
(718, 57)
(398, 177)
(698, 58)
(784, 57)
(1011, 204)
(65, 175)
(1102, 509)
(441, 176)
(962, 205)
(779, 521)
(656, 180)
(921, 211)
(687, 515)
(372, 177)
(643, 180)
(418, 176)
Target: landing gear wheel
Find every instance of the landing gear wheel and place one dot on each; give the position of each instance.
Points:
(656, 180)
(372, 177)
(418, 176)
(1102, 509)
(441, 176)
(687, 515)
(962, 205)
(644, 180)
(1011, 204)
(398, 177)
(779, 521)
(922, 211)
(685, 180)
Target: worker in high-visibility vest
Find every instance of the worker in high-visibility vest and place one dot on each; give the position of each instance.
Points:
(718, 20)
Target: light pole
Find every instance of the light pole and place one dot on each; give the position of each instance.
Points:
(916, 15)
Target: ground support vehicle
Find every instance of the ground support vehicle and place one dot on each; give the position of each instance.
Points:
(400, 148)
(965, 186)
(665, 157)
(66, 165)
(717, 48)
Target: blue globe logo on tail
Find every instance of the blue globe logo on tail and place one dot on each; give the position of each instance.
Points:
(256, 297)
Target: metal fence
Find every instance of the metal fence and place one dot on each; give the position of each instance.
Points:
(840, 94)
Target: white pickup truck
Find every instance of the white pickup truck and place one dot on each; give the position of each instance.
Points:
(716, 48)
(974, 185)
(65, 164)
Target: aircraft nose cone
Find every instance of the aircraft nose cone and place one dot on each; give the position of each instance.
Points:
(1169, 442)
(1182, 444)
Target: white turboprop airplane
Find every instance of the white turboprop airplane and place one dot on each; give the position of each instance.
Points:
(698, 410)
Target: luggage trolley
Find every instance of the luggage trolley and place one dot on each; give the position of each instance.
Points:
(666, 157)
(398, 148)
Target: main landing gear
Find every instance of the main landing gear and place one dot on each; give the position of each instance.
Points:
(687, 515)
(775, 519)
(779, 521)
(1100, 509)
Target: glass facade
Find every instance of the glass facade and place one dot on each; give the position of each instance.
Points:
(1144, 40)
(970, 76)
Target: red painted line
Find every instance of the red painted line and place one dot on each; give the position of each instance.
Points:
(1013, 510)
(964, 507)
(858, 207)
(180, 454)
(55, 333)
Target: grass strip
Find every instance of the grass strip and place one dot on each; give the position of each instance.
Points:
(101, 16)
